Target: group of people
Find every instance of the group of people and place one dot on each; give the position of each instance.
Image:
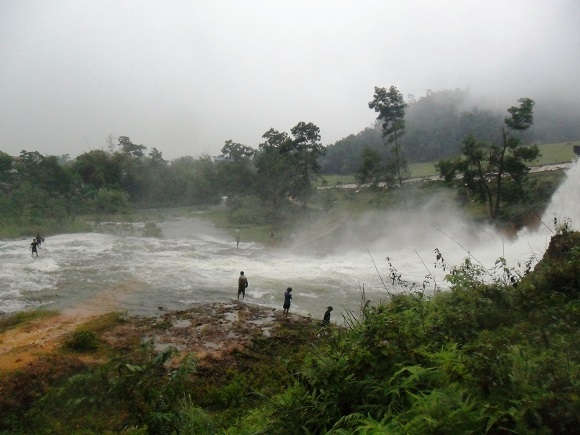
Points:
(35, 245)
(243, 285)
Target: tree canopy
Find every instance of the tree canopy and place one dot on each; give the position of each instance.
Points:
(484, 165)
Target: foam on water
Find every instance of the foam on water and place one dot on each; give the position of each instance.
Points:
(196, 262)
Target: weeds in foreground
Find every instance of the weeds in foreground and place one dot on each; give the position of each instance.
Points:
(484, 357)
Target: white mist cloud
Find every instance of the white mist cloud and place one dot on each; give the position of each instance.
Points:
(186, 76)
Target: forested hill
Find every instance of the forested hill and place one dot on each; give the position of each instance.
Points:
(437, 123)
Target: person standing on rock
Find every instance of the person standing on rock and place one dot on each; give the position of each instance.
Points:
(242, 285)
(287, 299)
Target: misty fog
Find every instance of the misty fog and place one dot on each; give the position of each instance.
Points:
(184, 78)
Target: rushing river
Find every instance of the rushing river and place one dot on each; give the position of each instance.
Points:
(194, 261)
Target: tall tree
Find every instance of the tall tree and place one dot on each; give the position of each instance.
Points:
(485, 167)
(371, 169)
(192, 181)
(273, 172)
(131, 157)
(156, 158)
(44, 171)
(303, 152)
(98, 169)
(237, 152)
(390, 106)
(131, 149)
(237, 169)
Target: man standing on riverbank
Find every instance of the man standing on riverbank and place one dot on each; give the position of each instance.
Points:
(287, 299)
(326, 319)
(242, 284)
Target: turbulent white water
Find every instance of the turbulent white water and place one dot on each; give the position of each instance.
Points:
(196, 262)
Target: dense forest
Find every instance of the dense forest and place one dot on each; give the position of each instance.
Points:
(38, 190)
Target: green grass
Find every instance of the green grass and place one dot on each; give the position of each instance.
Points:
(453, 363)
(423, 169)
(12, 227)
(333, 180)
(550, 154)
(554, 153)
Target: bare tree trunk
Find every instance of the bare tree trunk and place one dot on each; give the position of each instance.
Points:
(499, 175)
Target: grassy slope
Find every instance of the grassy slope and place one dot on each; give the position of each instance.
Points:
(82, 383)
(551, 154)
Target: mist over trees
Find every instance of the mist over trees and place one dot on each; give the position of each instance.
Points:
(437, 123)
(390, 106)
(262, 182)
(35, 188)
(484, 164)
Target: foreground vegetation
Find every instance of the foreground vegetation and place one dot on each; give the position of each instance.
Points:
(481, 358)
(491, 355)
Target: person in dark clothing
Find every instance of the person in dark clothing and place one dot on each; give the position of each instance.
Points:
(242, 285)
(287, 299)
(39, 239)
(33, 247)
(326, 319)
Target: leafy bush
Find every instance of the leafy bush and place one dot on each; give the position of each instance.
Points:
(193, 420)
(111, 201)
(142, 395)
(83, 341)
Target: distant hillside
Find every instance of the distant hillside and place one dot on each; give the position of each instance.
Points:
(437, 123)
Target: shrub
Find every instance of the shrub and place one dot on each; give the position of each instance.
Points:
(83, 341)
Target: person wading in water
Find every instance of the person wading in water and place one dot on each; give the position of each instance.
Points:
(33, 247)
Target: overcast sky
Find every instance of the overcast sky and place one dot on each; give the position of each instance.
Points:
(185, 76)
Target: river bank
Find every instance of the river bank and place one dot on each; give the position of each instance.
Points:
(210, 331)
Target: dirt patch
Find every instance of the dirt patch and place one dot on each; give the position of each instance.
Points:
(213, 331)
(209, 331)
(23, 345)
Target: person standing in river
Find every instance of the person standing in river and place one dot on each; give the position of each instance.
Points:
(33, 247)
(237, 238)
(287, 299)
(242, 285)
